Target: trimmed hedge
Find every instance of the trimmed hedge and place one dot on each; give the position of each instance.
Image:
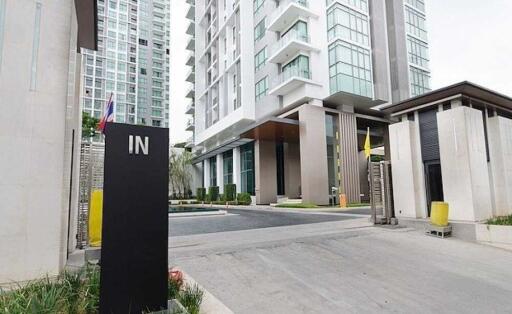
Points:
(244, 199)
(213, 193)
(230, 192)
(201, 194)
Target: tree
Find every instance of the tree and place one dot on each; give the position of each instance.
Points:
(179, 172)
(89, 125)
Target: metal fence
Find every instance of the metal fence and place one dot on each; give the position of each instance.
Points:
(91, 178)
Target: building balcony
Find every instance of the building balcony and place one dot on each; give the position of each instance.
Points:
(191, 44)
(191, 29)
(190, 142)
(191, 60)
(191, 76)
(191, 2)
(290, 80)
(190, 108)
(289, 45)
(190, 125)
(191, 92)
(288, 12)
(191, 13)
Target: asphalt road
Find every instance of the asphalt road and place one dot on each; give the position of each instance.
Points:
(245, 220)
(340, 266)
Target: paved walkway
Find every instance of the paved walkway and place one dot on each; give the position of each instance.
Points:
(346, 267)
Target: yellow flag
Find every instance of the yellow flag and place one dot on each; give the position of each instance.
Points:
(367, 146)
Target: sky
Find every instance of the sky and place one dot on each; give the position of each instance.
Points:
(469, 40)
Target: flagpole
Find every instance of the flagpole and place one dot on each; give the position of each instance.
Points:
(370, 177)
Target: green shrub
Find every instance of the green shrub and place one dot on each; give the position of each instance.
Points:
(191, 298)
(213, 192)
(504, 221)
(297, 205)
(230, 192)
(244, 199)
(201, 194)
(68, 293)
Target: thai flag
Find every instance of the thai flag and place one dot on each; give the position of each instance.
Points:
(108, 115)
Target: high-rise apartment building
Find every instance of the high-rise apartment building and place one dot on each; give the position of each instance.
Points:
(285, 90)
(131, 63)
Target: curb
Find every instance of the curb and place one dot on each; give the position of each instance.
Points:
(210, 304)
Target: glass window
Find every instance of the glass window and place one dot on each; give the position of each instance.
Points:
(417, 4)
(227, 160)
(261, 88)
(259, 30)
(345, 23)
(415, 23)
(260, 59)
(418, 51)
(420, 81)
(213, 171)
(297, 67)
(359, 4)
(247, 168)
(350, 69)
(258, 4)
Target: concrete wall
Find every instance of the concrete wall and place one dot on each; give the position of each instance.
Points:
(464, 164)
(265, 172)
(407, 170)
(34, 204)
(313, 155)
(500, 153)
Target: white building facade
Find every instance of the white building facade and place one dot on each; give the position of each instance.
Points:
(131, 63)
(284, 89)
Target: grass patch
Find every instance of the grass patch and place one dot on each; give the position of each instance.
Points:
(503, 221)
(297, 205)
(358, 205)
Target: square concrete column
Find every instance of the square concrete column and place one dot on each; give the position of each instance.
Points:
(464, 168)
(499, 131)
(220, 173)
(409, 192)
(313, 155)
(236, 169)
(206, 169)
(292, 179)
(265, 172)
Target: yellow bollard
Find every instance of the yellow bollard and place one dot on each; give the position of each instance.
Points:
(439, 214)
(95, 218)
(343, 201)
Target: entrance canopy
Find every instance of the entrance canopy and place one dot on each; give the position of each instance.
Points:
(273, 129)
(270, 129)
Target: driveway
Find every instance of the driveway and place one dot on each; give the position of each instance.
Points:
(345, 266)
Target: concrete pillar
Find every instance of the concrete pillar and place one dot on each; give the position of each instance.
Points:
(265, 172)
(407, 170)
(464, 164)
(220, 173)
(313, 155)
(236, 169)
(350, 183)
(206, 168)
(500, 153)
(292, 179)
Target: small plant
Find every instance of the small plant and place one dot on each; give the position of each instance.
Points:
(503, 221)
(244, 199)
(213, 192)
(190, 297)
(230, 192)
(201, 194)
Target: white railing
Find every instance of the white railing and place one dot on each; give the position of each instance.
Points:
(284, 4)
(289, 74)
(287, 38)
